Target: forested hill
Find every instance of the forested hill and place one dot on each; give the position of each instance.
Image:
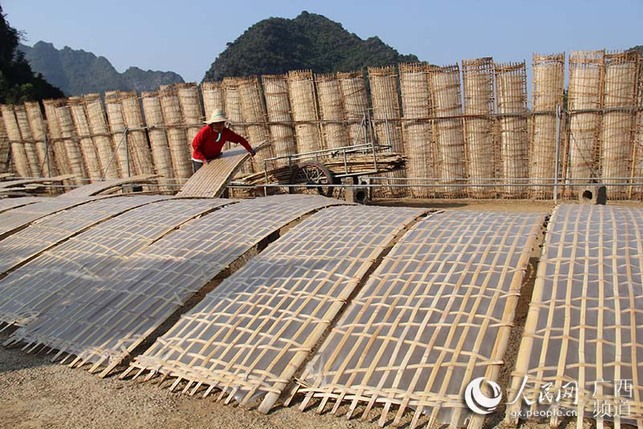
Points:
(310, 41)
(77, 72)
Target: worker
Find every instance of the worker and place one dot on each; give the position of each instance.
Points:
(209, 141)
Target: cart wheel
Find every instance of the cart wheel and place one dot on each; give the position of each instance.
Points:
(315, 175)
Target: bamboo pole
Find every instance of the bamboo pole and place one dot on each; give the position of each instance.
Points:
(158, 138)
(87, 146)
(18, 154)
(275, 89)
(139, 147)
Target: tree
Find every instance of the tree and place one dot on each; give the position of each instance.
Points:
(18, 83)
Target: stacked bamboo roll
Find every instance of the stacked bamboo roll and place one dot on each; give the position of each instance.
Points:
(511, 94)
(59, 151)
(70, 140)
(386, 116)
(6, 166)
(98, 126)
(301, 91)
(188, 95)
(158, 139)
(86, 143)
(586, 72)
(331, 109)
(212, 95)
(39, 134)
(137, 142)
(28, 141)
(18, 154)
(617, 139)
(253, 112)
(275, 89)
(416, 127)
(353, 86)
(234, 116)
(477, 79)
(444, 85)
(119, 132)
(175, 128)
(637, 157)
(548, 93)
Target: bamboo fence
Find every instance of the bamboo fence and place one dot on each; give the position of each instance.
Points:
(250, 335)
(478, 84)
(547, 92)
(355, 99)
(303, 104)
(386, 117)
(39, 134)
(137, 141)
(19, 156)
(511, 95)
(416, 127)
(27, 138)
(582, 335)
(435, 314)
(99, 128)
(586, 74)
(86, 143)
(331, 110)
(275, 88)
(159, 144)
(444, 89)
(178, 143)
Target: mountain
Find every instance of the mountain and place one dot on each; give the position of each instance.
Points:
(77, 72)
(310, 41)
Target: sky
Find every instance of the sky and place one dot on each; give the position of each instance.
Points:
(187, 36)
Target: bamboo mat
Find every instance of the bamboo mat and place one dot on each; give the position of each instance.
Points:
(58, 227)
(434, 315)
(105, 321)
(19, 182)
(211, 179)
(249, 336)
(52, 277)
(584, 323)
(106, 185)
(12, 203)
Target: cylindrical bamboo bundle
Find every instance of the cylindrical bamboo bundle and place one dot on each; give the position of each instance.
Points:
(158, 139)
(354, 94)
(139, 147)
(331, 109)
(175, 128)
(477, 79)
(6, 166)
(233, 115)
(87, 147)
(70, 139)
(119, 133)
(617, 140)
(213, 98)
(301, 91)
(444, 88)
(27, 140)
(637, 156)
(188, 95)
(386, 117)
(586, 70)
(18, 154)
(55, 140)
(547, 95)
(38, 129)
(102, 137)
(254, 115)
(511, 87)
(418, 138)
(275, 88)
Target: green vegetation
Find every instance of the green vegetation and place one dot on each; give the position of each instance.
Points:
(310, 41)
(18, 82)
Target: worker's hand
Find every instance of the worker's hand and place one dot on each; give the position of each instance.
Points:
(205, 162)
(253, 152)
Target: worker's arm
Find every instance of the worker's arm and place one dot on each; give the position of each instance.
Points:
(236, 138)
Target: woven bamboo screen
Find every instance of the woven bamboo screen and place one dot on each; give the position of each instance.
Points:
(331, 110)
(102, 137)
(511, 94)
(301, 91)
(355, 97)
(213, 99)
(137, 141)
(39, 132)
(18, 154)
(547, 95)
(234, 115)
(386, 117)
(583, 328)
(444, 87)
(586, 72)
(620, 96)
(86, 143)
(175, 129)
(158, 138)
(416, 127)
(110, 318)
(249, 336)
(28, 140)
(253, 112)
(275, 88)
(59, 151)
(117, 128)
(28, 243)
(478, 83)
(70, 140)
(6, 166)
(433, 316)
